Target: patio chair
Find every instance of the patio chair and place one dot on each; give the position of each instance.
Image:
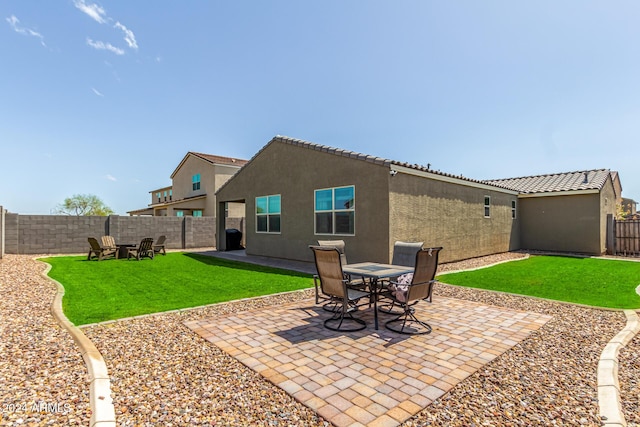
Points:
(108, 242)
(158, 247)
(358, 283)
(99, 252)
(334, 285)
(404, 253)
(339, 245)
(144, 249)
(407, 295)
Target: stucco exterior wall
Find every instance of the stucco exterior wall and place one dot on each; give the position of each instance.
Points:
(452, 216)
(563, 223)
(182, 184)
(212, 177)
(608, 200)
(295, 172)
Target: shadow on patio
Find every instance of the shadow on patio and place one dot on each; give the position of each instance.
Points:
(373, 378)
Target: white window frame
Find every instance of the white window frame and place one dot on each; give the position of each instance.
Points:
(267, 214)
(333, 211)
(487, 206)
(514, 209)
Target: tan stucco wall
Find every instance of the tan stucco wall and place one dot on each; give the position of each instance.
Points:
(608, 200)
(182, 184)
(564, 223)
(452, 216)
(295, 172)
(212, 177)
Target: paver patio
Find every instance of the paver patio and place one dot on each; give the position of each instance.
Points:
(369, 377)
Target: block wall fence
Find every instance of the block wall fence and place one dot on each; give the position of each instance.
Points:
(62, 234)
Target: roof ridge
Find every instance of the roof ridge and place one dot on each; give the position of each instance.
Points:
(589, 179)
(550, 174)
(217, 156)
(373, 159)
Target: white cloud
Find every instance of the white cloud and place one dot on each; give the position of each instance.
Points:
(96, 12)
(98, 45)
(96, 91)
(129, 37)
(14, 21)
(110, 177)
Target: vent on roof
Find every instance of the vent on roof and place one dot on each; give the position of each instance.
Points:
(586, 178)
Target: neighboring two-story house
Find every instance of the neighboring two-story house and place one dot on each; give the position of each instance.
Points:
(194, 184)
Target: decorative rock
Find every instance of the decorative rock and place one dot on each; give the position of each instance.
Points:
(163, 374)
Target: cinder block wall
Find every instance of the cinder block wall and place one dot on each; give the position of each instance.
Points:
(132, 229)
(54, 234)
(2, 214)
(61, 234)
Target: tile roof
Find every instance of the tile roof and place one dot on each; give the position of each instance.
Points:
(556, 182)
(535, 184)
(211, 158)
(220, 159)
(365, 157)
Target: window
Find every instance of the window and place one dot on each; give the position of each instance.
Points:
(165, 195)
(335, 210)
(513, 209)
(268, 211)
(195, 182)
(487, 206)
(170, 194)
(179, 213)
(158, 196)
(197, 213)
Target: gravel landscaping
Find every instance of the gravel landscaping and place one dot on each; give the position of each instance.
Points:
(164, 374)
(43, 379)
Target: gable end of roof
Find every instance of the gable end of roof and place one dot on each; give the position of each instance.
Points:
(211, 158)
(557, 182)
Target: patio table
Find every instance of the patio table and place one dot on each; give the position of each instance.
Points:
(375, 271)
(123, 249)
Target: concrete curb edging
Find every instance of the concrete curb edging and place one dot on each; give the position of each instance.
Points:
(608, 386)
(102, 410)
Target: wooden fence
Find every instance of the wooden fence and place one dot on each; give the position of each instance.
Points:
(627, 237)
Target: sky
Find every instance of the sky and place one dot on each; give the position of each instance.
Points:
(106, 98)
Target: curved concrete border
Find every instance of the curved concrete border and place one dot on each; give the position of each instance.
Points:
(608, 387)
(102, 411)
(527, 256)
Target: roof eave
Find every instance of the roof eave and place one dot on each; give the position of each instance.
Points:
(559, 193)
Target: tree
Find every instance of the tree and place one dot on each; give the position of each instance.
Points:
(84, 205)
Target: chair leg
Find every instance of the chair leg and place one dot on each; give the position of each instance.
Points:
(391, 308)
(342, 315)
(315, 283)
(410, 324)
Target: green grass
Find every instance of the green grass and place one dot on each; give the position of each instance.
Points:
(96, 291)
(589, 281)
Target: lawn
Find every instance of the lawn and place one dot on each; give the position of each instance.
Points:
(589, 281)
(96, 291)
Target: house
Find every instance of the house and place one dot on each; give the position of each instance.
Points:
(566, 212)
(296, 192)
(194, 183)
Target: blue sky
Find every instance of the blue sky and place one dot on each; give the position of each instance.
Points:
(106, 98)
